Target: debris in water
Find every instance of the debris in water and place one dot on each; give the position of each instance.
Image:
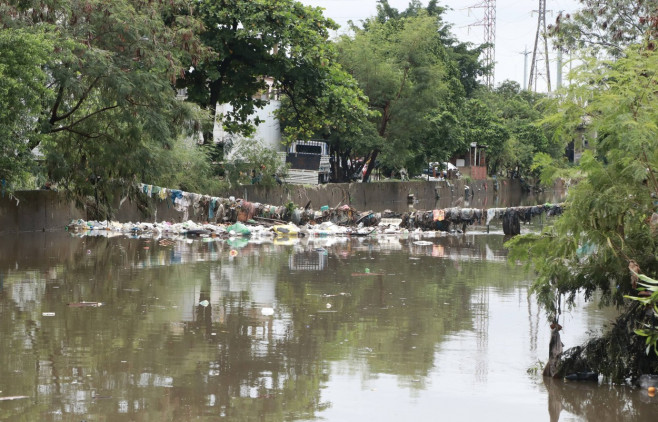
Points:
(85, 304)
(13, 398)
(422, 243)
(47, 314)
(267, 311)
(204, 303)
(583, 376)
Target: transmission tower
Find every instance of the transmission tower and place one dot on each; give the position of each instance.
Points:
(489, 23)
(534, 67)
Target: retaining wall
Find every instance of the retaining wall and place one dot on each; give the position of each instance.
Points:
(30, 211)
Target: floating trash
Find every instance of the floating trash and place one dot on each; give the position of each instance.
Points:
(267, 311)
(47, 314)
(86, 304)
(204, 303)
(13, 398)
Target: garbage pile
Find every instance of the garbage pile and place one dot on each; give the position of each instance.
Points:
(249, 229)
(230, 217)
(442, 219)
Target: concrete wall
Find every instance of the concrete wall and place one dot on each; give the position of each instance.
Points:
(394, 195)
(31, 211)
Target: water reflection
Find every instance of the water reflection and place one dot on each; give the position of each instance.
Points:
(333, 328)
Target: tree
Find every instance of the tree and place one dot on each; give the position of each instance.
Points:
(23, 79)
(404, 69)
(339, 117)
(484, 128)
(609, 229)
(109, 81)
(464, 54)
(518, 111)
(252, 39)
(606, 26)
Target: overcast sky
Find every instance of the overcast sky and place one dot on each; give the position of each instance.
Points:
(515, 27)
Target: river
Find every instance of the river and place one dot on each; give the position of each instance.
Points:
(334, 329)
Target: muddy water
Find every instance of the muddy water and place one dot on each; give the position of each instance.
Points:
(333, 329)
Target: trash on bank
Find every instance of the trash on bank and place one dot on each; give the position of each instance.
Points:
(286, 230)
(238, 229)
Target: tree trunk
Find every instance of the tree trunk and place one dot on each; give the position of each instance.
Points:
(371, 165)
(208, 135)
(554, 352)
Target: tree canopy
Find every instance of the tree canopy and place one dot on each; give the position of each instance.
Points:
(108, 99)
(406, 70)
(23, 80)
(606, 26)
(253, 39)
(519, 112)
(610, 224)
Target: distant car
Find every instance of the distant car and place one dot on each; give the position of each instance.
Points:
(440, 168)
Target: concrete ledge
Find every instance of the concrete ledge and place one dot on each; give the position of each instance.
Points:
(32, 211)
(29, 211)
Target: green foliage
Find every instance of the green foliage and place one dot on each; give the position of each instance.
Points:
(109, 98)
(184, 166)
(23, 79)
(516, 113)
(254, 164)
(484, 128)
(606, 27)
(405, 69)
(607, 219)
(649, 286)
(340, 111)
(250, 39)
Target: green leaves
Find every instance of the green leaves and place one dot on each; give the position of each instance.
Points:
(607, 219)
(606, 27)
(405, 68)
(23, 77)
(250, 40)
(102, 72)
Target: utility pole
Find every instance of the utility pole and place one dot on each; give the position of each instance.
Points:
(541, 29)
(559, 60)
(525, 53)
(559, 68)
(489, 23)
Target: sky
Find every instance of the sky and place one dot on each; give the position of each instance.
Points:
(516, 25)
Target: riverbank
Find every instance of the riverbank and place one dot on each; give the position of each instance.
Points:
(27, 211)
